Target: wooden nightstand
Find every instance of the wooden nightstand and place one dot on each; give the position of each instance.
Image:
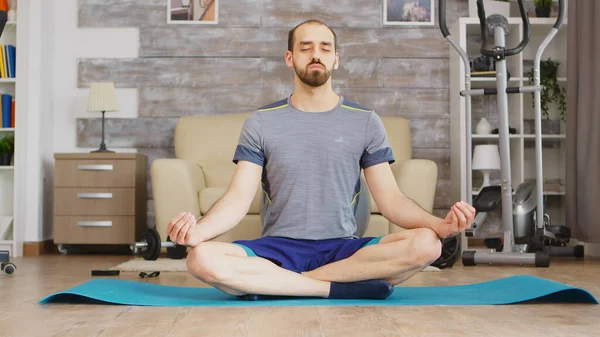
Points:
(99, 198)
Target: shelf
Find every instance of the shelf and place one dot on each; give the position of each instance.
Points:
(9, 186)
(543, 21)
(545, 193)
(546, 136)
(527, 136)
(477, 192)
(493, 79)
(490, 82)
(525, 79)
(491, 137)
(516, 21)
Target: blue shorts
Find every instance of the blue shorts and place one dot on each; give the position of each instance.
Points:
(303, 255)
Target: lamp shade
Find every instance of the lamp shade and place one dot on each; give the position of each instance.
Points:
(486, 157)
(102, 97)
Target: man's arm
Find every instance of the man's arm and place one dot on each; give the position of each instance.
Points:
(231, 208)
(393, 204)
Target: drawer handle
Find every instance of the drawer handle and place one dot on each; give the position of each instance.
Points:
(94, 195)
(95, 167)
(94, 223)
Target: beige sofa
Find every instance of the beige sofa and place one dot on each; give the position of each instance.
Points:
(202, 168)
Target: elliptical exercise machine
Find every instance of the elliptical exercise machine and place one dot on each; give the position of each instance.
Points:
(529, 238)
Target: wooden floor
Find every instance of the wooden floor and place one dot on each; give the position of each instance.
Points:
(36, 277)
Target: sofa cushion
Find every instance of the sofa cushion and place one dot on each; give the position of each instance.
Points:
(208, 196)
(217, 173)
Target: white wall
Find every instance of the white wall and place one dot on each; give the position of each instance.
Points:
(70, 44)
(54, 101)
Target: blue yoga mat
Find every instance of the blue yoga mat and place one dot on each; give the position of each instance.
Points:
(510, 290)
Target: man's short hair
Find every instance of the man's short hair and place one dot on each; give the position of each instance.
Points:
(291, 34)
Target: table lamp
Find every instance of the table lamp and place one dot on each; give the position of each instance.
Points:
(486, 159)
(102, 98)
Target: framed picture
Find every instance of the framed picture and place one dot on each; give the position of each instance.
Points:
(192, 12)
(408, 12)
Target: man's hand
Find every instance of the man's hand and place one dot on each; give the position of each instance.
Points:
(459, 218)
(182, 230)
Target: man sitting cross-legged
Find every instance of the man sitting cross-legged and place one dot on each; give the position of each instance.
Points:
(308, 151)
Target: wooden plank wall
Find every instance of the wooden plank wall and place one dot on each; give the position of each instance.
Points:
(239, 65)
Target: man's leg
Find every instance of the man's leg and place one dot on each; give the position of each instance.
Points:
(226, 266)
(397, 257)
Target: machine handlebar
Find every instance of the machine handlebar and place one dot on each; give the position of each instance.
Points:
(442, 18)
(511, 51)
(561, 14)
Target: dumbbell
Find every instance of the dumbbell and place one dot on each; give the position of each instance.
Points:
(5, 265)
(8, 267)
(150, 246)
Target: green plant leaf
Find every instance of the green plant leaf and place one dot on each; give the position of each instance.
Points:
(551, 92)
(542, 3)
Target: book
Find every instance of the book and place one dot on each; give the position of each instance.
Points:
(6, 110)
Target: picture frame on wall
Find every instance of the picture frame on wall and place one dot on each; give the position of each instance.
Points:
(408, 12)
(193, 12)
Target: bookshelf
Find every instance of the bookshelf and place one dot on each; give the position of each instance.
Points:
(8, 86)
(466, 32)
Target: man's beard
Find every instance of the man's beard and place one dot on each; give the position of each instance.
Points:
(313, 77)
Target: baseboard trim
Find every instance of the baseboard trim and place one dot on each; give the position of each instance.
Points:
(592, 249)
(45, 247)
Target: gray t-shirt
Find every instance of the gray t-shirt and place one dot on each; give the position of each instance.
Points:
(311, 165)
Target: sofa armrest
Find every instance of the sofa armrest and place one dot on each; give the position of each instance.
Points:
(417, 179)
(175, 187)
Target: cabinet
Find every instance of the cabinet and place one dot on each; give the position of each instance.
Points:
(8, 133)
(99, 198)
(466, 32)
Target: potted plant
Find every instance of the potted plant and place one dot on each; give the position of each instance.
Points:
(551, 92)
(543, 8)
(7, 149)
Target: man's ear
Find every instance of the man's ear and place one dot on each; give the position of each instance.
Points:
(336, 65)
(288, 59)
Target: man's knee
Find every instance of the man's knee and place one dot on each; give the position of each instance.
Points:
(426, 247)
(203, 262)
